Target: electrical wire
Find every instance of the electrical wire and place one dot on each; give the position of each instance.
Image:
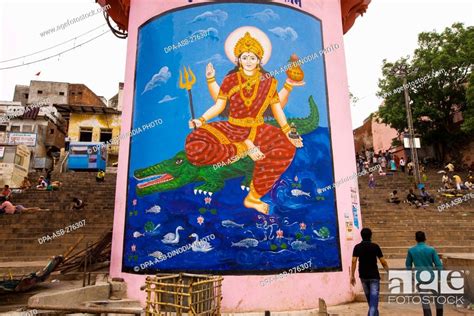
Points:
(72, 39)
(58, 54)
(117, 33)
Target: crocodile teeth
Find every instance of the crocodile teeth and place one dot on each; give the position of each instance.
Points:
(200, 191)
(205, 192)
(248, 189)
(195, 191)
(242, 187)
(210, 193)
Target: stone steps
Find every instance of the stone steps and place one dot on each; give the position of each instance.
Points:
(20, 232)
(394, 226)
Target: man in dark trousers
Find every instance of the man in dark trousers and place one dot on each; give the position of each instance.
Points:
(424, 258)
(367, 252)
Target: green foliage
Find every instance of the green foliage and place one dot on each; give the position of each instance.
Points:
(284, 246)
(437, 78)
(468, 124)
(299, 236)
(149, 226)
(273, 247)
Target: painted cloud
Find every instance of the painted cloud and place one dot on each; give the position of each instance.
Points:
(158, 79)
(217, 16)
(264, 16)
(211, 33)
(216, 59)
(287, 33)
(167, 98)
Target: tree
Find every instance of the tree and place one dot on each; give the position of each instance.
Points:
(468, 124)
(437, 80)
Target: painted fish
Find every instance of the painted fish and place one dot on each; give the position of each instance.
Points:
(229, 223)
(247, 243)
(157, 254)
(138, 234)
(300, 245)
(298, 192)
(154, 209)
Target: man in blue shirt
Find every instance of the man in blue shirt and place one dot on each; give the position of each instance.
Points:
(425, 258)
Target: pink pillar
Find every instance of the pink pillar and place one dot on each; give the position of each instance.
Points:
(243, 292)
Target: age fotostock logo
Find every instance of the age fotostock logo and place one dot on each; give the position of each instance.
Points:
(443, 286)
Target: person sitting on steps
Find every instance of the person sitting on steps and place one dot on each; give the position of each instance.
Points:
(393, 197)
(426, 197)
(77, 204)
(100, 176)
(7, 192)
(412, 199)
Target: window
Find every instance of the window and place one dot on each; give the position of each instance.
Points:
(73, 93)
(15, 128)
(27, 128)
(3, 128)
(25, 95)
(105, 134)
(51, 131)
(79, 93)
(40, 91)
(61, 93)
(19, 160)
(85, 134)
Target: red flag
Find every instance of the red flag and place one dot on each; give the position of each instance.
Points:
(38, 73)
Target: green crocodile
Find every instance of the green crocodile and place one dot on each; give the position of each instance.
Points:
(177, 172)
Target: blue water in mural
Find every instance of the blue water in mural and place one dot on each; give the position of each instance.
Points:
(302, 224)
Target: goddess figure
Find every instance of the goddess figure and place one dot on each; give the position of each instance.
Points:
(249, 94)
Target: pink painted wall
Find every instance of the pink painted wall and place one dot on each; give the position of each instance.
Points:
(382, 135)
(244, 293)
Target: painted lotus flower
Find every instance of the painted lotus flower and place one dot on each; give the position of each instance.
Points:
(200, 220)
(134, 248)
(207, 200)
(302, 226)
(279, 234)
(134, 202)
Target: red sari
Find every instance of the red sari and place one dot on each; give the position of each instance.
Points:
(219, 142)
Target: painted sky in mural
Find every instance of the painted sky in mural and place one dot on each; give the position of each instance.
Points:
(189, 203)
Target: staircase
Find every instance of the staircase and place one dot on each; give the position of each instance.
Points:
(394, 226)
(20, 250)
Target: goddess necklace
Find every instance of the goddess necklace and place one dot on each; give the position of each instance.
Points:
(248, 86)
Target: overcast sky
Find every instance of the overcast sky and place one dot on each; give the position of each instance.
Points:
(388, 30)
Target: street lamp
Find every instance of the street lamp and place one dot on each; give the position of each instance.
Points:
(402, 71)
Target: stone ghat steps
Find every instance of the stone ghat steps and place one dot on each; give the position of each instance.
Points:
(20, 232)
(394, 226)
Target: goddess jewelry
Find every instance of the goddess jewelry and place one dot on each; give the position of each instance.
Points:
(285, 128)
(248, 86)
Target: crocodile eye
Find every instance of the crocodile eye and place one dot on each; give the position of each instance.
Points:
(179, 161)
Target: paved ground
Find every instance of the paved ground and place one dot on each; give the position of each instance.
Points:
(360, 309)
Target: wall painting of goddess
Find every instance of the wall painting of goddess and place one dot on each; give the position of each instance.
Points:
(227, 184)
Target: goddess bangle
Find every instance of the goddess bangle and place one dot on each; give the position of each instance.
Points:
(286, 128)
(288, 86)
(203, 120)
(211, 80)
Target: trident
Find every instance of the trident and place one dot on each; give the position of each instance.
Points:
(188, 84)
